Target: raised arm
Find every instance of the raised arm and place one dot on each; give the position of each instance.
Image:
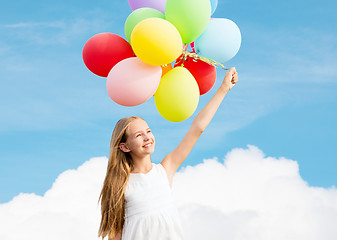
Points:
(174, 159)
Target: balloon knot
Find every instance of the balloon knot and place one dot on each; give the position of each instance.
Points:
(196, 57)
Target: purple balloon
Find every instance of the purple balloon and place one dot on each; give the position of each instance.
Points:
(156, 4)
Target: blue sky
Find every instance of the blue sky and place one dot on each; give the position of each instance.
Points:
(55, 114)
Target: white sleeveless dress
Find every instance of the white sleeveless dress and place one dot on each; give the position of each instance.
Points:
(150, 213)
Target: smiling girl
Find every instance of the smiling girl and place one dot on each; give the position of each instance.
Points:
(136, 200)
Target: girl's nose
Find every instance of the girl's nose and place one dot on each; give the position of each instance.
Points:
(146, 137)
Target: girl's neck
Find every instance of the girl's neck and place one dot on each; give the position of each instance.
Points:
(141, 164)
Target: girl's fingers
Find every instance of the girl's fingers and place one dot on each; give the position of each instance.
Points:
(235, 77)
(234, 80)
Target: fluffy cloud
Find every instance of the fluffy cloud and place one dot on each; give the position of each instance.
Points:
(248, 196)
(69, 210)
(251, 196)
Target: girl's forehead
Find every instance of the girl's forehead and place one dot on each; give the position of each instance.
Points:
(137, 125)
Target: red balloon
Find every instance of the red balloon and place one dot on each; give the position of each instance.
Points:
(204, 73)
(103, 51)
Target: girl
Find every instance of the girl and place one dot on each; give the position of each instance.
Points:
(136, 201)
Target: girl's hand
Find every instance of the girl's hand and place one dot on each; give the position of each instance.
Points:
(230, 79)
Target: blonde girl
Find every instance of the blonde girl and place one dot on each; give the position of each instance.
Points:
(136, 201)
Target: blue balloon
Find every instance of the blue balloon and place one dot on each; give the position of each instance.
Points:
(220, 41)
(214, 4)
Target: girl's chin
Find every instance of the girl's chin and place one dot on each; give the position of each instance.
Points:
(149, 148)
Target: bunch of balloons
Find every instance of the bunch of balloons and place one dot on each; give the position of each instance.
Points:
(158, 33)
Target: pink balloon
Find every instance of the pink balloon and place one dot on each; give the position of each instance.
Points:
(132, 82)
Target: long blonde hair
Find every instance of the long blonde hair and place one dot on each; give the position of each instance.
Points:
(117, 176)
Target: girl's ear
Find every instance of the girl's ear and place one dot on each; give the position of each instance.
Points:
(124, 147)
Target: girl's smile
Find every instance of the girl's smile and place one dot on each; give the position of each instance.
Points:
(148, 145)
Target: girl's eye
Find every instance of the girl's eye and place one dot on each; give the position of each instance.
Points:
(149, 131)
(138, 135)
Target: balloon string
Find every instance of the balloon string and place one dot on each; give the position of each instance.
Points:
(184, 54)
(196, 57)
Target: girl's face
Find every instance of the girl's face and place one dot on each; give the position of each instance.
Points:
(139, 139)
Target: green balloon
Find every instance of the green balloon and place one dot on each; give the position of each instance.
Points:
(139, 15)
(190, 17)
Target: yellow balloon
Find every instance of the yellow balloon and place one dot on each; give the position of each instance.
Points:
(177, 96)
(156, 41)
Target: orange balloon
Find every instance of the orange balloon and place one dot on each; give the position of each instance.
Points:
(166, 68)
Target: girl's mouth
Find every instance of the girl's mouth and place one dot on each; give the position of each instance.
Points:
(147, 145)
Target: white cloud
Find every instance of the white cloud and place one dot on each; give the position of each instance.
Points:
(60, 32)
(69, 210)
(56, 24)
(248, 196)
(251, 196)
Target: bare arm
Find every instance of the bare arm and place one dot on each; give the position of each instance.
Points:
(174, 159)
